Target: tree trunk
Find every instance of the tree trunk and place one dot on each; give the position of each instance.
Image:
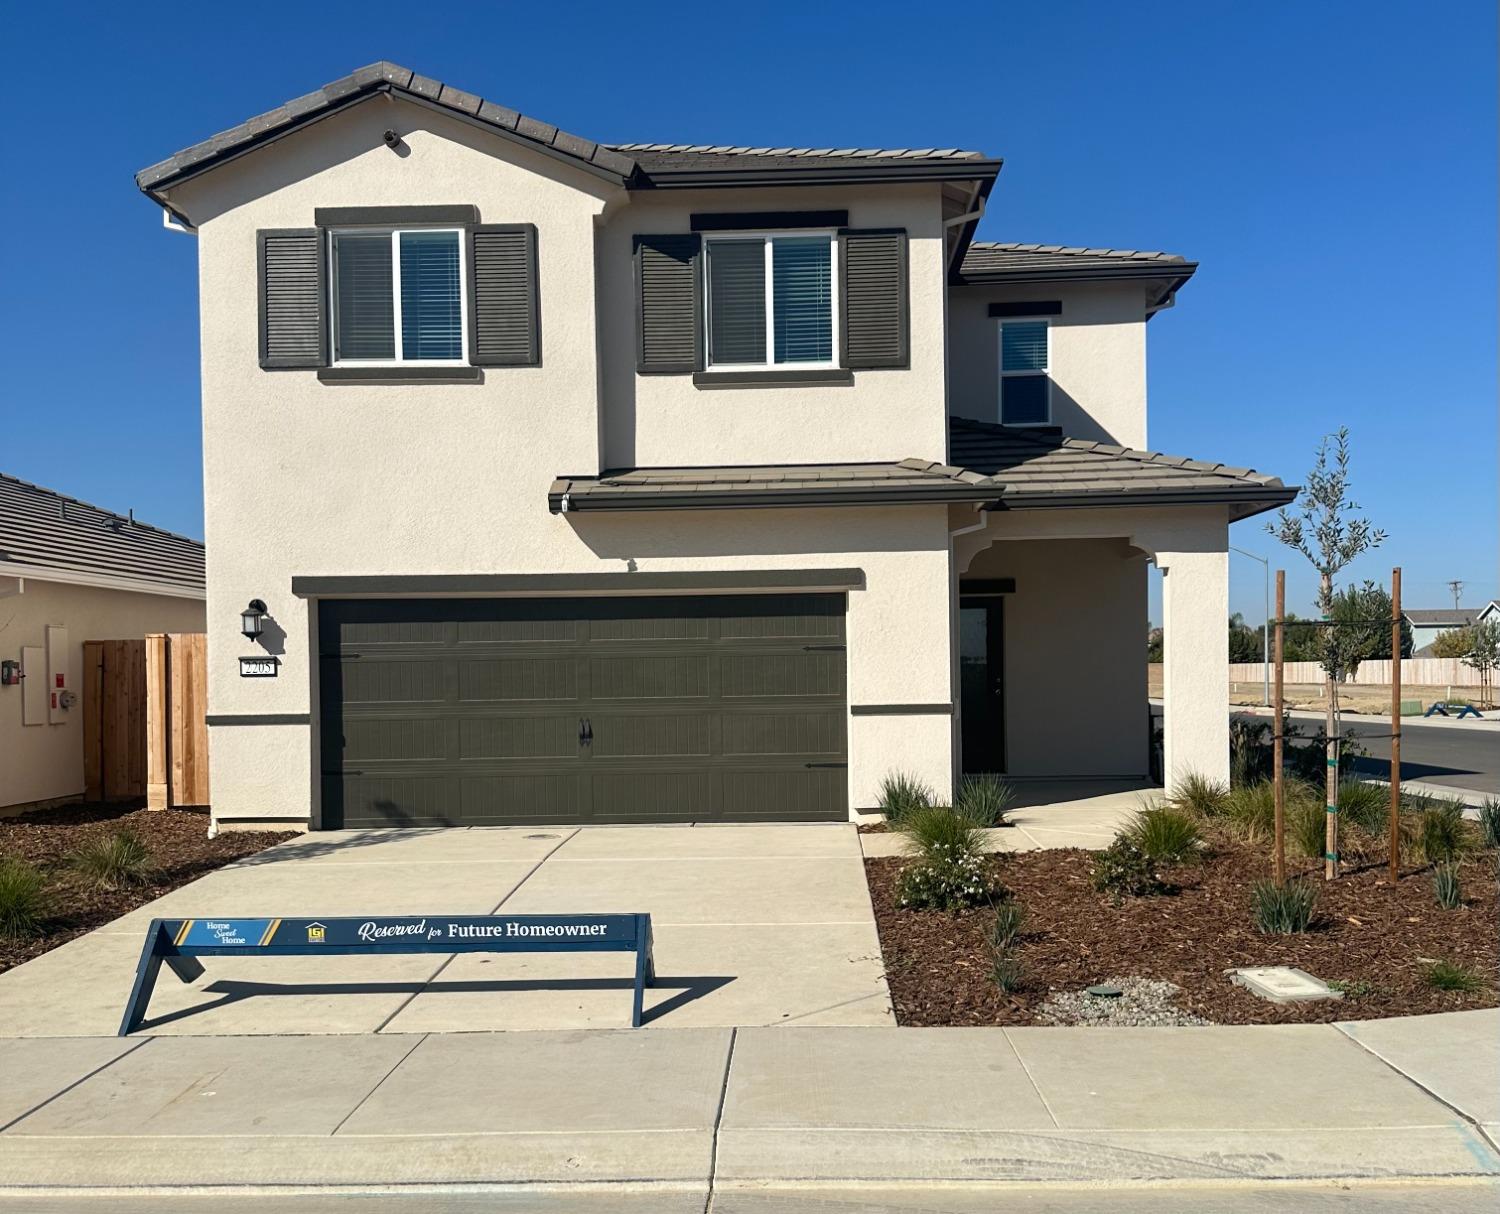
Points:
(1331, 727)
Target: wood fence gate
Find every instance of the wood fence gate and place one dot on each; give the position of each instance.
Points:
(145, 733)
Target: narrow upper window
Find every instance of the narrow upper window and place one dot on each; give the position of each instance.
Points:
(398, 296)
(770, 301)
(1025, 379)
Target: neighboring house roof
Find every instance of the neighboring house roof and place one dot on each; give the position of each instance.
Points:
(637, 165)
(1003, 467)
(987, 261)
(1445, 617)
(55, 538)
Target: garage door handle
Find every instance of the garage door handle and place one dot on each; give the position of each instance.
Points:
(585, 731)
(810, 648)
(825, 765)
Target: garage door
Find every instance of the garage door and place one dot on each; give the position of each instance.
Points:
(502, 711)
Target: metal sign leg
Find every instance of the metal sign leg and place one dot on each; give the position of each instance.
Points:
(145, 978)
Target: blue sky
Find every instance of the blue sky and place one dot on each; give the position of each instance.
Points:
(1332, 166)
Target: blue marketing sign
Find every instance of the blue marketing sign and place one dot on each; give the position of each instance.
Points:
(178, 942)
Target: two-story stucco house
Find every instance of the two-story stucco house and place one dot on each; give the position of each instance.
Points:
(645, 482)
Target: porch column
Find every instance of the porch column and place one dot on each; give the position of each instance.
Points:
(1195, 660)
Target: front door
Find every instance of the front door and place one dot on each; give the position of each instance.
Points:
(981, 662)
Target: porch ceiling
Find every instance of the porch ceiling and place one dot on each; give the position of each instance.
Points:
(1000, 467)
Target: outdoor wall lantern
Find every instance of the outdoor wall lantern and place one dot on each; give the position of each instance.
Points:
(251, 617)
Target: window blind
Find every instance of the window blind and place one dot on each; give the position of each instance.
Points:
(364, 308)
(802, 286)
(431, 317)
(1023, 345)
(737, 301)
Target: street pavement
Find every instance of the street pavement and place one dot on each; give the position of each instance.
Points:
(741, 1114)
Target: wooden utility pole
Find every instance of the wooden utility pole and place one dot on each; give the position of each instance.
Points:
(1277, 777)
(1331, 827)
(1395, 840)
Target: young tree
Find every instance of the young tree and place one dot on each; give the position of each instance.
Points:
(1454, 643)
(1484, 656)
(1329, 532)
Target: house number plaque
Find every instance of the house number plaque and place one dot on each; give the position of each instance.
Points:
(257, 668)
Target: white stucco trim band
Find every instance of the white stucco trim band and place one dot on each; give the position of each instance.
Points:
(103, 581)
(485, 585)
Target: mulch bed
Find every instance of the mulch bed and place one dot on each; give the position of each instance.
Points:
(177, 839)
(1365, 932)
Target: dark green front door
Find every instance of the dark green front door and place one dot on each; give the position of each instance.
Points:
(502, 711)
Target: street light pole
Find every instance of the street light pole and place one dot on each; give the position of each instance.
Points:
(1265, 628)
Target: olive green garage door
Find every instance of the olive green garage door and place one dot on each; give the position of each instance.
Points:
(532, 710)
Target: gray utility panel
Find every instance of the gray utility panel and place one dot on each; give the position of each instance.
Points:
(459, 712)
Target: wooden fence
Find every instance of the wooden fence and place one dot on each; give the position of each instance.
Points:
(114, 720)
(1372, 672)
(144, 729)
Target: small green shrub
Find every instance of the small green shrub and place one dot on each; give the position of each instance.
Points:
(1307, 828)
(1440, 832)
(985, 799)
(946, 880)
(1448, 976)
(1010, 917)
(902, 794)
(1446, 888)
(1197, 794)
(1008, 973)
(1357, 987)
(1489, 821)
(1366, 805)
(936, 829)
(1251, 810)
(1164, 834)
(113, 861)
(23, 899)
(1123, 870)
(1250, 750)
(1281, 910)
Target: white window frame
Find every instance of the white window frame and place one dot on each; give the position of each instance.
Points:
(769, 239)
(400, 360)
(1045, 373)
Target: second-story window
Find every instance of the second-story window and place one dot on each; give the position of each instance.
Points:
(397, 296)
(1025, 373)
(770, 301)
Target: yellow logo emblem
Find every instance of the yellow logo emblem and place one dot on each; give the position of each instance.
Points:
(316, 933)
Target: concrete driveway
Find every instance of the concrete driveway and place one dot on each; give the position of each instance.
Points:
(754, 925)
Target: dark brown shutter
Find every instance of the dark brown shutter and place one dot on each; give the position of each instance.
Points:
(293, 294)
(505, 324)
(875, 308)
(669, 304)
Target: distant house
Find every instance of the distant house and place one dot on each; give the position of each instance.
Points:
(69, 573)
(1427, 624)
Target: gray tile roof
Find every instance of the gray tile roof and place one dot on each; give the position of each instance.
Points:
(47, 532)
(635, 164)
(1001, 466)
(378, 77)
(991, 261)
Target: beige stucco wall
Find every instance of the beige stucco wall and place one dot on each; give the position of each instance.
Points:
(1075, 656)
(303, 478)
(667, 420)
(1098, 357)
(44, 762)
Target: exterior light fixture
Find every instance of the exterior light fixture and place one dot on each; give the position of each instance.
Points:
(251, 617)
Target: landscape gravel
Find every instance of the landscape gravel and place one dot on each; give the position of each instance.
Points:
(1142, 1001)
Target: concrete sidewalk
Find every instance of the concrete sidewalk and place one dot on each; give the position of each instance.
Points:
(698, 1110)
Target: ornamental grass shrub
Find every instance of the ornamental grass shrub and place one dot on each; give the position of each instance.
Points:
(1450, 976)
(1010, 918)
(1446, 888)
(902, 794)
(113, 861)
(1441, 835)
(1489, 821)
(1366, 805)
(1281, 910)
(1197, 794)
(985, 799)
(23, 899)
(949, 872)
(1164, 834)
(1307, 828)
(1250, 809)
